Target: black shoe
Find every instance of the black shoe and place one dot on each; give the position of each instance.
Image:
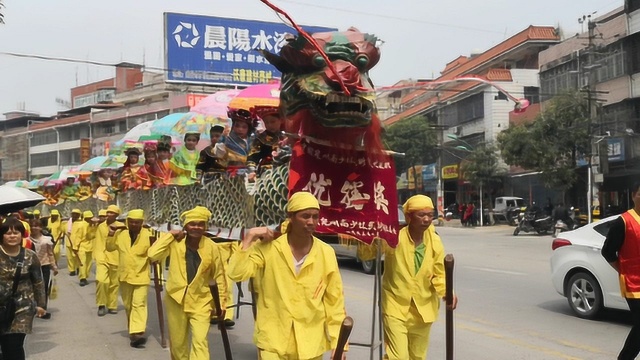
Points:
(73, 273)
(137, 341)
(111, 311)
(102, 311)
(213, 321)
(84, 282)
(228, 323)
(46, 316)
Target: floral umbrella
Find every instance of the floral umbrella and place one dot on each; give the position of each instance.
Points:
(257, 95)
(164, 125)
(197, 123)
(215, 104)
(140, 130)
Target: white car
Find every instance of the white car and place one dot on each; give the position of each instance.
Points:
(581, 274)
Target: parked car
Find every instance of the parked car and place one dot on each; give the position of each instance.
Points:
(508, 208)
(581, 274)
(350, 251)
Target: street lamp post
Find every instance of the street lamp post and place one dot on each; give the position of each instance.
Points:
(469, 148)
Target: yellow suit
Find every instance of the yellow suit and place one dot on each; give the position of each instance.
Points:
(299, 315)
(72, 245)
(410, 300)
(86, 235)
(56, 230)
(189, 305)
(226, 250)
(133, 274)
(106, 269)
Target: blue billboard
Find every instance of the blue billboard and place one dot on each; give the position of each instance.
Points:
(213, 50)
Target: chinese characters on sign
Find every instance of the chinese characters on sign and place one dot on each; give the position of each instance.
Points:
(357, 198)
(204, 49)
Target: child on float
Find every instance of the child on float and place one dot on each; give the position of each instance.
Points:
(237, 143)
(267, 142)
(184, 161)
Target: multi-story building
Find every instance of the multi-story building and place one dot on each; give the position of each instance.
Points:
(14, 144)
(604, 63)
(473, 112)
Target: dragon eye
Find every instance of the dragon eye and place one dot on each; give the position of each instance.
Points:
(362, 61)
(318, 61)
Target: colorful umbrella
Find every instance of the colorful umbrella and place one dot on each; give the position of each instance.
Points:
(164, 125)
(61, 175)
(14, 199)
(18, 183)
(215, 104)
(197, 123)
(257, 95)
(138, 131)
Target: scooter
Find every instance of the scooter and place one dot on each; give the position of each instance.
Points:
(532, 223)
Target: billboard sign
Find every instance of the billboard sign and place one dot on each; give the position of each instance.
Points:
(222, 51)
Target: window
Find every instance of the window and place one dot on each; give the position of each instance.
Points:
(44, 138)
(603, 228)
(633, 5)
(44, 159)
(465, 110)
(532, 93)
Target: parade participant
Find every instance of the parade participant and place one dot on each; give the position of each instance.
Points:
(300, 306)
(211, 157)
(30, 294)
(132, 244)
(84, 244)
(106, 265)
(413, 283)
(105, 190)
(153, 173)
(184, 161)
(102, 216)
(44, 251)
(84, 188)
(164, 150)
(227, 249)
(57, 233)
(69, 190)
(237, 143)
(128, 176)
(72, 250)
(36, 214)
(195, 263)
(262, 148)
(621, 249)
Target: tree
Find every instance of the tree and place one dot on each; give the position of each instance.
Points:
(1, 12)
(416, 138)
(553, 142)
(482, 167)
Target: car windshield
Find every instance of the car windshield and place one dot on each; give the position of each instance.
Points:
(520, 203)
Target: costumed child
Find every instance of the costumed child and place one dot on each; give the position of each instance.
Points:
(211, 158)
(266, 143)
(184, 161)
(237, 143)
(69, 190)
(153, 172)
(128, 176)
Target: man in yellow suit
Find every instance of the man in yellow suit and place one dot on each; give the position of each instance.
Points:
(195, 263)
(57, 232)
(301, 304)
(226, 250)
(106, 265)
(72, 245)
(83, 242)
(132, 243)
(413, 283)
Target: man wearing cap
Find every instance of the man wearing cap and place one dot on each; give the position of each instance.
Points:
(102, 216)
(57, 232)
(83, 242)
(132, 243)
(72, 247)
(106, 265)
(413, 283)
(195, 263)
(300, 306)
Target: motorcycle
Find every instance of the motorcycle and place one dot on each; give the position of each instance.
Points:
(535, 221)
(570, 224)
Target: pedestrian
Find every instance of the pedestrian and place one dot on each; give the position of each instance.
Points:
(300, 304)
(72, 251)
(132, 243)
(84, 239)
(30, 294)
(413, 283)
(57, 232)
(622, 250)
(44, 251)
(106, 265)
(188, 300)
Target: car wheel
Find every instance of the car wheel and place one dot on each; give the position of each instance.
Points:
(369, 266)
(584, 295)
(516, 231)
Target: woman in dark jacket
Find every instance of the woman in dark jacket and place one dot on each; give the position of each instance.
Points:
(30, 295)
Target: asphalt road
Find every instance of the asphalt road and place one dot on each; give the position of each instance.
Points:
(508, 310)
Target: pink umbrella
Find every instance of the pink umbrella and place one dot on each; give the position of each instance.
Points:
(257, 95)
(215, 104)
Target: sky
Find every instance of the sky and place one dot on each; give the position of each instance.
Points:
(420, 36)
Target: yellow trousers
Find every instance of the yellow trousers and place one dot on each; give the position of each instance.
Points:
(107, 285)
(56, 251)
(71, 260)
(87, 258)
(181, 325)
(292, 351)
(134, 298)
(406, 340)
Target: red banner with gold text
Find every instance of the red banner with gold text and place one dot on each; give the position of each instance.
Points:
(357, 194)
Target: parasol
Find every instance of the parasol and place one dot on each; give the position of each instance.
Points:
(215, 104)
(18, 183)
(13, 199)
(257, 95)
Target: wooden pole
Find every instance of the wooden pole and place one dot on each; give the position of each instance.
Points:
(448, 269)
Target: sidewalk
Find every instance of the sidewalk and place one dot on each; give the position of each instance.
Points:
(76, 332)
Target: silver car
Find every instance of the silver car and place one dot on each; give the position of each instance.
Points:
(581, 274)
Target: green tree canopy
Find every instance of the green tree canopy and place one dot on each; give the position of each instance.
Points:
(552, 143)
(482, 166)
(416, 138)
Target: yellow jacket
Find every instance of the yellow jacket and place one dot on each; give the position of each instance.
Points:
(311, 302)
(195, 296)
(88, 237)
(56, 229)
(133, 265)
(77, 233)
(100, 252)
(401, 284)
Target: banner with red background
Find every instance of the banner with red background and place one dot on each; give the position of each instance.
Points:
(357, 194)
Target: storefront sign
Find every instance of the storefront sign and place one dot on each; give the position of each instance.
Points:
(85, 150)
(450, 172)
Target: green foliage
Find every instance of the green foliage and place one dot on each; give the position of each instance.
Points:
(552, 142)
(415, 137)
(482, 166)
(1, 13)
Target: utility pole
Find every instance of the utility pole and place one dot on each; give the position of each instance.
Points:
(439, 192)
(591, 67)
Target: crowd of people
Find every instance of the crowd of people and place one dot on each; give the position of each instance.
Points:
(238, 150)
